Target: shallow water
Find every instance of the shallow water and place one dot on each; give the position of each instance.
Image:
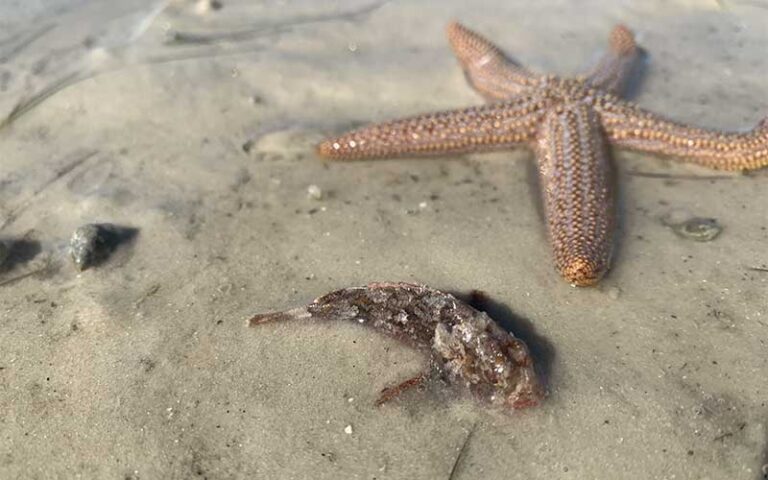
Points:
(196, 126)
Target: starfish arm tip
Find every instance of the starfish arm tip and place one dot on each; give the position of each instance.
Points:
(467, 44)
(583, 272)
(327, 149)
(622, 39)
(454, 27)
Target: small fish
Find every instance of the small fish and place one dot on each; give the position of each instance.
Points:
(467, 348)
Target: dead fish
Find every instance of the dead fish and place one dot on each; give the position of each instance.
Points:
(467, 348)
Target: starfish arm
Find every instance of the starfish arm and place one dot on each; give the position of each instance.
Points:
(488, 70)
(615, 67)
(631, 127)
(575, 176)
(489, 127)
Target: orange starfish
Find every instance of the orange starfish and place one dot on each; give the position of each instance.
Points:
(569, 124)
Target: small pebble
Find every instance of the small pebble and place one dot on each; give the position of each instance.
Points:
(314, 192)
(698, 229)
(83, 246)
(348, 429)
(614, 293)
(93, 243)
(204, 6)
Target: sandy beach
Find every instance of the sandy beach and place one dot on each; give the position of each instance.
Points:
(195, 123)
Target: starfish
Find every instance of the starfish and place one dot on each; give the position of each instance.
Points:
(570, 124)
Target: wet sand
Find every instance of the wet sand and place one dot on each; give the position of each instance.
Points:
(196, 126)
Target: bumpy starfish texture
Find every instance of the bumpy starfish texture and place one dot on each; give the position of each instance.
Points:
(569, 124)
